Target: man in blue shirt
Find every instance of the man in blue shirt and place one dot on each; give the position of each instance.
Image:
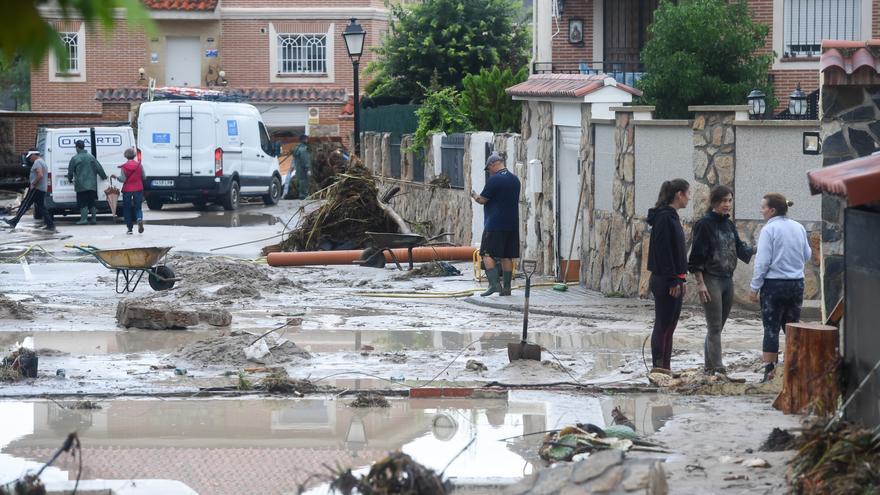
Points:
(500, 240)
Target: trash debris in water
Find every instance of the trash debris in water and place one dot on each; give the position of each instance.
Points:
(397, 473)
(366, 399)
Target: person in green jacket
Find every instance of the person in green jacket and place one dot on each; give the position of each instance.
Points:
(83, 171)
(303, 161)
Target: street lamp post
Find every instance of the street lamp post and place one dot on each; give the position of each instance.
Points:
(354, 36)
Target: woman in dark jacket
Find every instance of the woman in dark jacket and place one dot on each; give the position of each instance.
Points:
(667, 262)
(714, 251)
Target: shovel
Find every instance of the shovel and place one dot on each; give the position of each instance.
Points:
(523, 350)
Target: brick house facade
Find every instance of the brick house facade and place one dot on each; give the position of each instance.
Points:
(287, 56)
(616, 30)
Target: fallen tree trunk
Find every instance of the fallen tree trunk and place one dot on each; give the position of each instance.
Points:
(810, 370)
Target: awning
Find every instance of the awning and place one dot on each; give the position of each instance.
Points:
(857, 180)
(566, 86)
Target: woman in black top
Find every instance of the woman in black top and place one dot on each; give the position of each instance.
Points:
(715, 249)
(667, 262)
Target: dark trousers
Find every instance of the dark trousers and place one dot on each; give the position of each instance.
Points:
(36, 198)
(781, 302)
(131, 207)
(667, 309)
(86, 199)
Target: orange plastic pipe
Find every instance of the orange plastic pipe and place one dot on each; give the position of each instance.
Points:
(420, 255)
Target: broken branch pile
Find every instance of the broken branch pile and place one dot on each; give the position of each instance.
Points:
(841, 461)
(351, 208)
(570, 441)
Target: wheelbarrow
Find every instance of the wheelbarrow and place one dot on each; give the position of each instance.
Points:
(386, 241)
(132, 263)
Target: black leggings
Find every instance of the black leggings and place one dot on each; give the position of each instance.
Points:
(781, 302)
(667, 309)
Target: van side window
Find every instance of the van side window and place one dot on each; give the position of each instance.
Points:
(264, 139)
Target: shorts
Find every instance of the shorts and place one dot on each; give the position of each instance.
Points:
(500, 244)
(86, 199)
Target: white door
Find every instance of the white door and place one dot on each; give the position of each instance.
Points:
(568, 182)
(184, 65)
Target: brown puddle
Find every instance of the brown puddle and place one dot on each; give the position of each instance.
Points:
(272, 446)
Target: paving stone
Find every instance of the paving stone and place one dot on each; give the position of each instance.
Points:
(637, 474)
(522, 487)
(608, 481)
(596, 464)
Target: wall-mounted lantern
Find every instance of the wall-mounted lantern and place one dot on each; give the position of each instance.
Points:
(797, 103)
(757, 104)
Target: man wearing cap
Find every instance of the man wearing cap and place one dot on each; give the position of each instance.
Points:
(83, 170)
(303, 161)
(500, 240)
(39, 184)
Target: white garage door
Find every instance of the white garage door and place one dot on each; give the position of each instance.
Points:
(284, 115)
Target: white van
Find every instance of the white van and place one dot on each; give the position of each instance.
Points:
(57, 146)
(197, 152)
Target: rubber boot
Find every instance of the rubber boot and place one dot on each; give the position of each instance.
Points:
(94, 219)
(494, 285)
(83, 216)
(505, 283)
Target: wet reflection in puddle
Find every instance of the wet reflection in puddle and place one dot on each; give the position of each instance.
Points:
(271, 446)
(218, 219)
(107, 342)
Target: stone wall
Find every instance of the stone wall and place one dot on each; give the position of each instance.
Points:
(850, 129)
(431, 210)
(540, 239)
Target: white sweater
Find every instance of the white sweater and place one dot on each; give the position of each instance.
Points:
(783, 249)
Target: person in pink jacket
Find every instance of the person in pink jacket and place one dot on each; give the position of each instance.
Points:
(132, 177)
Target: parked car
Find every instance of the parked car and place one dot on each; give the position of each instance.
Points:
(198, 152)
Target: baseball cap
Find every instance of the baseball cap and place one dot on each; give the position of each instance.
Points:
(494, 157)
(32, 151)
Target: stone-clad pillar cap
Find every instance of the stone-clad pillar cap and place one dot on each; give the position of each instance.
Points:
(718, 108)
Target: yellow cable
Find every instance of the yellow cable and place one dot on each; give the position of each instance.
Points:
(37, 247)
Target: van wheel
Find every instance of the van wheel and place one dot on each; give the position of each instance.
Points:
(154, 203)
(274, 192)
(230, 199)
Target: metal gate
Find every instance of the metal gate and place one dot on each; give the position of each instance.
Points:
(452, 159)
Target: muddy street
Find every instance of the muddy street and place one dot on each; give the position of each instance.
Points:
(186, 398)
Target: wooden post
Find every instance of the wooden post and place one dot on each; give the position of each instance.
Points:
(810, 373)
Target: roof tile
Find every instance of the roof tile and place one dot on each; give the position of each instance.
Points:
(566, 85)
(857, 180)
(188, 5)
(850, 62)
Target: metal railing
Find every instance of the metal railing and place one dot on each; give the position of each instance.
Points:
(623, 72)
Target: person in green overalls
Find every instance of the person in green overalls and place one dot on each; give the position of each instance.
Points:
(303, 161)
(83, 170)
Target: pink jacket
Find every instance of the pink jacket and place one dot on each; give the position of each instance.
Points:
(134, 179)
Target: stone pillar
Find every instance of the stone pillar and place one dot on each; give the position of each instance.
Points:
(714, 152)
(588, 169)
(407, 172)
(850, 129)
(385, 147)
(544, 209)
(626, 234)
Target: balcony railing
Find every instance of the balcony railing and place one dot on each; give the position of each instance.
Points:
(623, 72)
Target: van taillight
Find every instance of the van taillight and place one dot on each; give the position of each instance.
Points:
(49, 183)
(218, 162)
(139, 155)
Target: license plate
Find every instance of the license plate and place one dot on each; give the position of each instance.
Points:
(163, 183)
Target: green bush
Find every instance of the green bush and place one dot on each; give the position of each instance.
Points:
(447, 40)
(702, 52)
(485, 101)
(441, 112)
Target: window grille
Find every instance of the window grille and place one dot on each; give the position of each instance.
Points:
(71, 43)
(302, 53)
(808, 22)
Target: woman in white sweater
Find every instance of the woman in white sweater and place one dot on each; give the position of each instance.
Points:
(783, 249)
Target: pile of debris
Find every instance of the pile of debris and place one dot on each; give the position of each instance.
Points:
(397, 473)
(565, 444)
(20, 363)
(431, 269)
(279, 382)
(351, 208)
(842, 460)
(366, 399)
(696, 382)
(229, 350)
